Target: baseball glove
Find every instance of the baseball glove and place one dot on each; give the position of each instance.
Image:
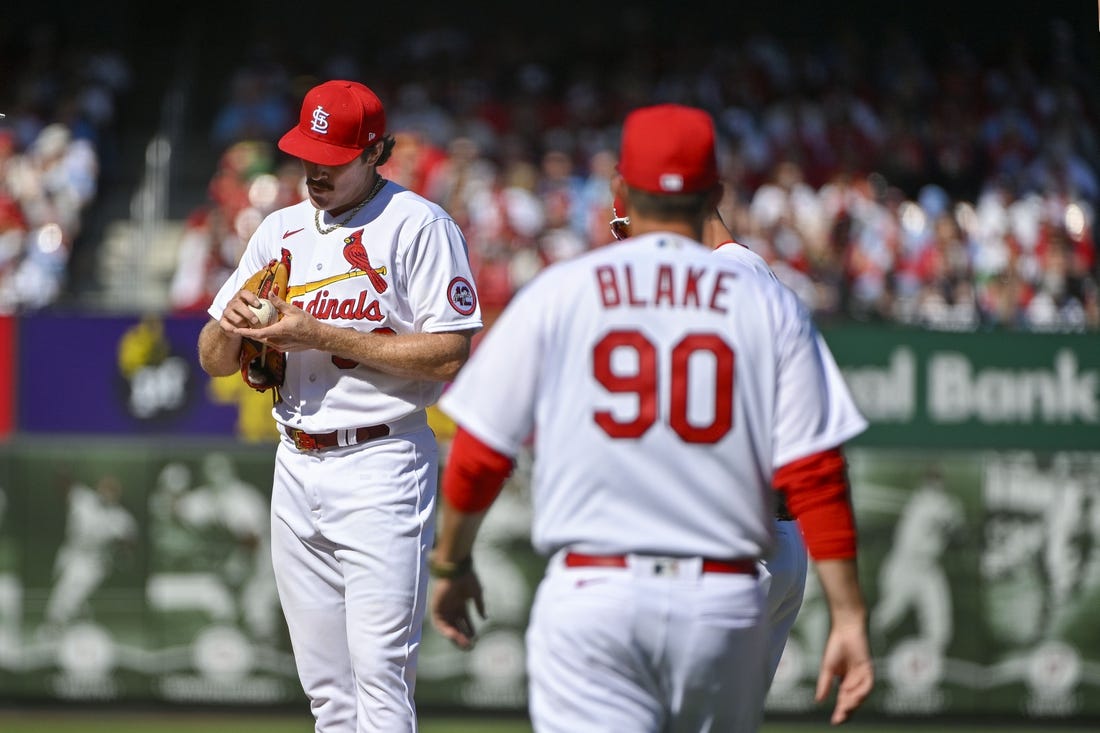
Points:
(263, 367)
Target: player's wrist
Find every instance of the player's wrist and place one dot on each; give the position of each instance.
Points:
(447, 569)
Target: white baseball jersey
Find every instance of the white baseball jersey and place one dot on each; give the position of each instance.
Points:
(666, 385)
(399, 266)
(745, 256)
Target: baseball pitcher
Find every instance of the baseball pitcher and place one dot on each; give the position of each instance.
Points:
(352, 308)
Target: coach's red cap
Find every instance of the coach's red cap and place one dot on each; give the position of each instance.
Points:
(668, 148)
(339, 120)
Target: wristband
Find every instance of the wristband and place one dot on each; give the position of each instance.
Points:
(447, 570)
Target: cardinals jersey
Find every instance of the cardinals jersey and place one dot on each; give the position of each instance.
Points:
(746, 257)
(662, 386)
(399, 266)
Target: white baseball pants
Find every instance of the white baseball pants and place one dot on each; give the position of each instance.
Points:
(351, 528)
(646, 650)
(783, 577)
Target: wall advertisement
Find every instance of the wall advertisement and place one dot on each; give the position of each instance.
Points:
(141, 376)
(973, 390)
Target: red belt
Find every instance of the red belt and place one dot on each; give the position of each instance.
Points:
(320, 441)
(739, 567)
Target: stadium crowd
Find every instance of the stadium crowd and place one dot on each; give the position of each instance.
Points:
(60, 107)
(886, 178)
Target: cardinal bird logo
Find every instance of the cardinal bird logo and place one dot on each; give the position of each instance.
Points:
(356, 255)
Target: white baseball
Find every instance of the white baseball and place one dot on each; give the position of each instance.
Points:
(265, 311)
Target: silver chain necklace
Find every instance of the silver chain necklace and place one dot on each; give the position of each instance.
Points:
(351, 214)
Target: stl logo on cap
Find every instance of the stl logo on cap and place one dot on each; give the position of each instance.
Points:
(669, 148)
(339, 119)
(320, 121)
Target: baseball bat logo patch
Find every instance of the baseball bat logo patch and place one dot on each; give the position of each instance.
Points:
(461, 296)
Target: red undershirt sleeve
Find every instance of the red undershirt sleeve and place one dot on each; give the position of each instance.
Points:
(818, 495)
(475, 473)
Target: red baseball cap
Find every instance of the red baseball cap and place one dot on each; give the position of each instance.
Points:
(668, 148)
(339, 120)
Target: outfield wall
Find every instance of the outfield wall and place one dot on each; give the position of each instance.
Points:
(133, 517)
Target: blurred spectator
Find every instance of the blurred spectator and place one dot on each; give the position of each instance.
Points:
(246, 187)
(414, 162)
(505, 219)
(50, 184)
(256, 107)
(56, 140)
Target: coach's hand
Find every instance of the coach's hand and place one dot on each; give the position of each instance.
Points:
(450, 607)
(847, 658)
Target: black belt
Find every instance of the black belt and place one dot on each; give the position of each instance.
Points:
(738, 566)
(782, 513)
(320, 441)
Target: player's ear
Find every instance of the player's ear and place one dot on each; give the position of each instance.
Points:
(378, 153)
(618, 190)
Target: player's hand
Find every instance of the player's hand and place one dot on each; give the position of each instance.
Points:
(237, 315)
(294, 331)
(450, 608)
(847, 658)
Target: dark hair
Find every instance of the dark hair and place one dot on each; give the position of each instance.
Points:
(668, 206)
(388, 141)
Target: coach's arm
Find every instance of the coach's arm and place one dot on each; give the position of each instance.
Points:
(819, 495)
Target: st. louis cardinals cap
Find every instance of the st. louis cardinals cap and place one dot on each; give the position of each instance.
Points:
(668, 148)
(339, 119)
